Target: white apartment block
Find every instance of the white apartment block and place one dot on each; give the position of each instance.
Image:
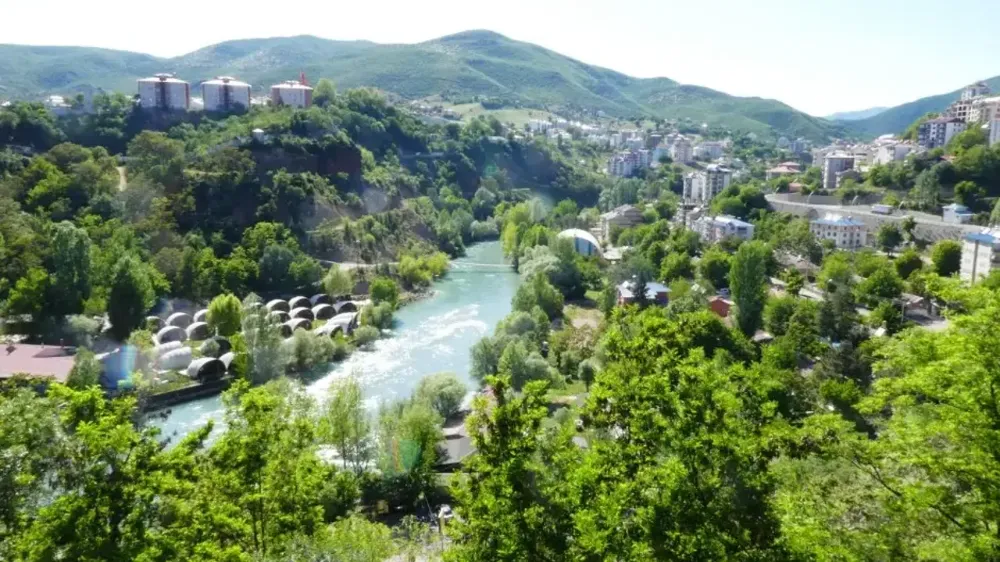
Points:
(980, 254)
(983, 110)
(292, 93)
(937, 132)
(833, 164)
(225, 93)
(892, 152)
(708, 150)
(994, 131)
(845, 232)
(700, 187)
(538, 126)
(163, 91)
(635, 143)
(714, 229)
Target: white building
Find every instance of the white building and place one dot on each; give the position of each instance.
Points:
(956, 214)
(615, 140)
(892, 152)
(846, 232)
(714, 229)
(833, 164)
(57, 105)
(702, 186)
(994, 131)
(980, 254)
(292, 93)
(983, 110)
(165, 92)
(538, 126)
(681, 151)
(708, 150)
(937, 132)
(584, 242)
(225, 93)
(635, 143)
(624, 216)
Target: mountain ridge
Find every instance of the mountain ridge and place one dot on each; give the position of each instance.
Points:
(855, 115)
(458, 66)
(896, 119)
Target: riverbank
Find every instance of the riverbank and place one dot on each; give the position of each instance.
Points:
(433, 333)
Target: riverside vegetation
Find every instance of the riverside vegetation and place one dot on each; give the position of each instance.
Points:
(847, 437)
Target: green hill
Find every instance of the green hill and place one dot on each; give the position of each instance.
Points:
(897, 119)
(473, 63)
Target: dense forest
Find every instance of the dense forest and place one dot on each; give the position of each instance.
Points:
(817, 421)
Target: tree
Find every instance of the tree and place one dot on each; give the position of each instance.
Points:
(324, 93)
(676, 266)
(908, 262)
(777, 313)
(714, 267)
(86, 371)
(345, 424)
(927, 191)
(747, 280)
(836, 271)
(969, 194)
(384, 289)
(265, 354)
(338, 281)
(907, 226)
(946, 256)
(131, 295)
(883, 285)
(225, 314)
(794, 281)
(889, 237)
(69, 267)
(443, 391)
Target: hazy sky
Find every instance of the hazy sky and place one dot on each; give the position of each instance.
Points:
(819, 56)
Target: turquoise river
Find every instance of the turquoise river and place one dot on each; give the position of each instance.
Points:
(431, 335)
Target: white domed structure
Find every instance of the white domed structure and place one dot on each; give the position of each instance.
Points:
(584, 242)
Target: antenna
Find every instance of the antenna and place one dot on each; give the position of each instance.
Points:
(302, 79)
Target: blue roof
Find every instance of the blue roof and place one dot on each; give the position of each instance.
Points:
(957, 207)
(982, 238)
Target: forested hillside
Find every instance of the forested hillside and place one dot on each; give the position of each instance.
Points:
(461, 66)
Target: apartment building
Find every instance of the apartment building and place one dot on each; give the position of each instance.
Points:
(714, 229)
(835, 163)
(980, 254)
(292, 93)
(625, 216)
(681, 151)
(164, 92)
(892, 152)
(700, 187)
(937, 132)
(708, 150)
(847, 233)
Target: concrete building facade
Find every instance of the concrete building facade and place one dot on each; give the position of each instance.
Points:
(225, 93)
(714, 229)
(292, 93)
(833, 164)
(937, 132)
(164, 92)
(980, 255)
(845, 232)
(700, 187)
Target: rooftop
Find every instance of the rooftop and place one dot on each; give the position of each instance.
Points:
(837, 220)
(36, 360)
(652, 289)
(578, 233)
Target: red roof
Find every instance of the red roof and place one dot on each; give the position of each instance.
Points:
(36, 360)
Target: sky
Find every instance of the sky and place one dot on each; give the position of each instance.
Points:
(818, 56)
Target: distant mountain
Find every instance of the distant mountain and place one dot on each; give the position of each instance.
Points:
(897, 119)
(473, 63)
(855, 115)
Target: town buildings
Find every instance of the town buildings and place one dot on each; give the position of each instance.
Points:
(584, 242)
(980, 254)
(783, 169)
(715, 229)
(962, 108)
(622, 217)
(625, 164)
(937, 132)
(891, 151)
(799, 146)
(994, 134)
(846, 233)
(225, 93)
(702, 186)
(164, 92)
(292, 93)
(834, 164)
(656, 293)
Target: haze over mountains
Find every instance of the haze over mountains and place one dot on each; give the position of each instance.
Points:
(456, 66)
(855, 115)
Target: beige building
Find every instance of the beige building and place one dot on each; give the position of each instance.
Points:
(835, 163)
(624, 216)
(700, 187)
(980, 255)
(292, 93)
(846, 233)
(164, 92)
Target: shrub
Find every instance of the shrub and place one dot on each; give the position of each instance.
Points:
(378, 315)
(338, 281)
(81, 330)
(225, 314)
(341, 348)
(384, 289)
(365, 336)
(86, 371)
(308, 350)
(443, 391)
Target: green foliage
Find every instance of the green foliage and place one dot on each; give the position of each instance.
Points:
(676, 266)
(889, 237)
(946, 256)
(538, 291)
(384, 290)
(884, 284)
(714, 267)
(748, 282)
(346, 424)
(86, 371)
(265, 355)
(366, 336)
(225, 315)
(338, 281)
(307, 350)
(443, 391)
(908, 262)
(377, 315)
(419, 271)
(130, 297)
